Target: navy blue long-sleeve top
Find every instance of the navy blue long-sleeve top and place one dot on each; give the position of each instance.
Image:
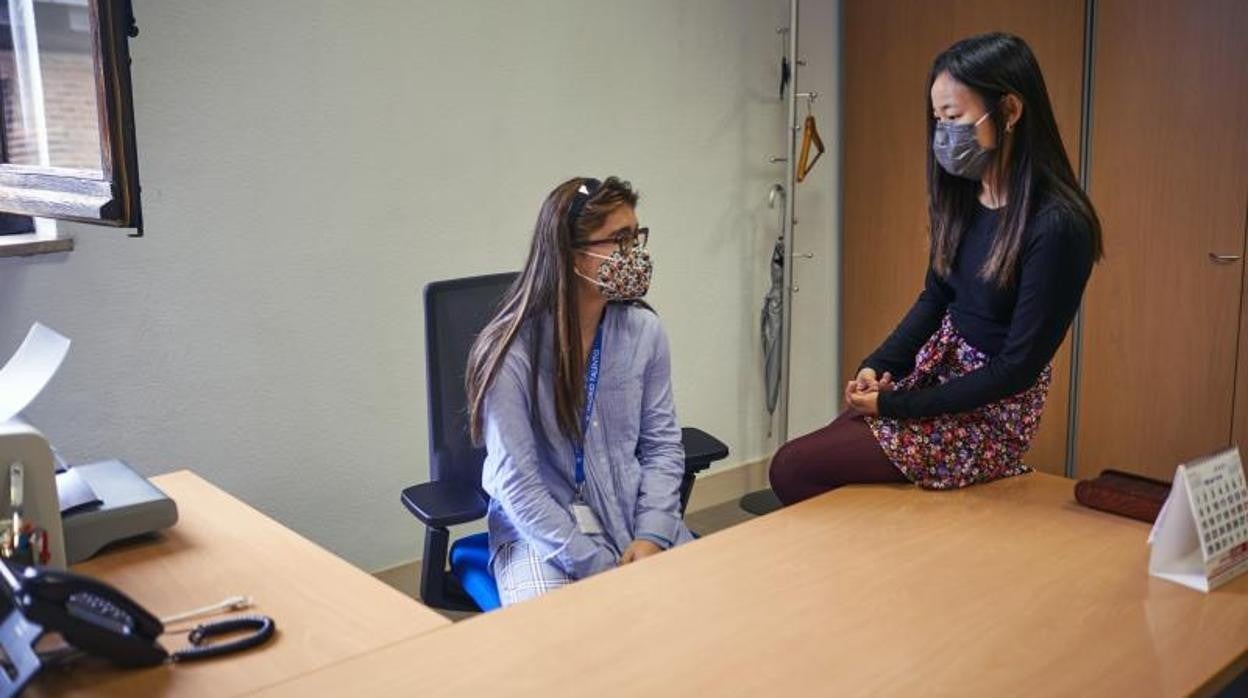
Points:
(1019, 327)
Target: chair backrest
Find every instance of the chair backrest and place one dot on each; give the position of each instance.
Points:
(455, 313)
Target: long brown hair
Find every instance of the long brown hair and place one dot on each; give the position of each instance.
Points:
(545, 291)
(1037, 174)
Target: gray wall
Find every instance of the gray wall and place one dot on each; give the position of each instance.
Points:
(308, 166)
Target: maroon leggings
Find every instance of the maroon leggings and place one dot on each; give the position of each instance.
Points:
(843, 453)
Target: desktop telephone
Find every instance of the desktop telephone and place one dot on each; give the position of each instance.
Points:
(99, 620)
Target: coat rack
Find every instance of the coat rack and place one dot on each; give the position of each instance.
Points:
(764, 501)
(791, 71)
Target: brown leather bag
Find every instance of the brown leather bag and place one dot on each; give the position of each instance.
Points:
(1125, 494)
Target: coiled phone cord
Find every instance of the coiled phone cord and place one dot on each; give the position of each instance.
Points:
(263, 628)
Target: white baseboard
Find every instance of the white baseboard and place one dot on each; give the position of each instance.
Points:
(730, 484)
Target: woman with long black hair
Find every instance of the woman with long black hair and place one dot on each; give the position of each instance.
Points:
(954, 395)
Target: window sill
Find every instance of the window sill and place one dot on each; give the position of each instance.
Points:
(32, 244)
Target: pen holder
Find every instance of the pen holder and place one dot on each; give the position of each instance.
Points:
(28, 480)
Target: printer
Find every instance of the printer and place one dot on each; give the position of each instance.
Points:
(82, 508)
(52, 514)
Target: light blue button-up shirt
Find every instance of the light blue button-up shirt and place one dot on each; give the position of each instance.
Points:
(634, 461)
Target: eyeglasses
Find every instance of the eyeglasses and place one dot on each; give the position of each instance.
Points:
(626, 239)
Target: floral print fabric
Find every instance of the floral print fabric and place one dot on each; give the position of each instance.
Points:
(956, 450)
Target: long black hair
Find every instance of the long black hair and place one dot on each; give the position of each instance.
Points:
(1033, 170)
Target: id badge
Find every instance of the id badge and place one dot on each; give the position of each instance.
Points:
(586, 519)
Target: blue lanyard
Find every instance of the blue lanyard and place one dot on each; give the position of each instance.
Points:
(591, 391)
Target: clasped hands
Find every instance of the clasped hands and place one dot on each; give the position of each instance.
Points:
(863, 393)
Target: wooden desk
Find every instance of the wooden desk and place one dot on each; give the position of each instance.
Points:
(1003, 589)
(326, 610)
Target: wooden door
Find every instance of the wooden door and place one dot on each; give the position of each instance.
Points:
(1169, 178)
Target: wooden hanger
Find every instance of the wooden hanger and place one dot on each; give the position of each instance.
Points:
(810, 133)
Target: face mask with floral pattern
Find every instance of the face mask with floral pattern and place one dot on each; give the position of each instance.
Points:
(622, 276)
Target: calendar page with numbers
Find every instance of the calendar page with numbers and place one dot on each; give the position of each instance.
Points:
(1216, 490)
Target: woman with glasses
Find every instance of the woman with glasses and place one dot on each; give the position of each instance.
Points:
(569, 390)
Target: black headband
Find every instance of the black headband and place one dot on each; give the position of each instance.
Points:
(589, 187)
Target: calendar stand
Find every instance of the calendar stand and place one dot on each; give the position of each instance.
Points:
(1200, 538)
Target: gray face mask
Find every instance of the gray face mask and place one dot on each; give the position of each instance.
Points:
(958, 151)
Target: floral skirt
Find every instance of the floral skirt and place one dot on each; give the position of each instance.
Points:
(956, 450)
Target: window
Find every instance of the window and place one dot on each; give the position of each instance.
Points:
(67, 146)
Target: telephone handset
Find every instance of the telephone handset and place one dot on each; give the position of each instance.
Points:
(89, 614)
(99, 620)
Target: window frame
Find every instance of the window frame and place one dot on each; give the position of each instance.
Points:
(110, 197)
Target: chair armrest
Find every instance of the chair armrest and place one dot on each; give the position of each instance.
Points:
(445, 503)
(701, 449)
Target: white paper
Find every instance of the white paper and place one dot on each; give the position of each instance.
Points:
(1176, 547)
(30, 368)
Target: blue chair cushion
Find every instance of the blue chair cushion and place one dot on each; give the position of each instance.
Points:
(470, 563)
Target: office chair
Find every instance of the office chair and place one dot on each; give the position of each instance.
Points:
(455, 313)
